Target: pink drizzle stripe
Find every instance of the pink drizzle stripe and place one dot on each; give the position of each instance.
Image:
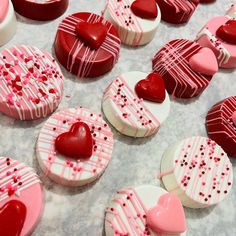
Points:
(172, 59)
(134, 108)
(68, 168)
(15, 177)
(110, 45)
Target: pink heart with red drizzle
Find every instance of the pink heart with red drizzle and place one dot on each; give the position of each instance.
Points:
(227, 32)
(12, 218)
(198, 62)
(77, 143)
(92, 34)
(146, 9)
(168, 216)
(152, 88)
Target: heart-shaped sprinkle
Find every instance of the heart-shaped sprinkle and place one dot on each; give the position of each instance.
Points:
(12, 218)
(146, 9)
(204, 62)
(168, 216)
(77, 143)
(234, 118)
(152, 88)
(92, 34)
(3, 9)
(227, 32)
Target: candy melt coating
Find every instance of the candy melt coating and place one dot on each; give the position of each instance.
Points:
(221, 124)
(67, 171)
(79, 58)
(126, 214)
(198, 171)
(42, 10)
(172, 63)
(7, 22)
(133, 30)
(127, 113)
(31, 83)
(20, 182)
(225, 52)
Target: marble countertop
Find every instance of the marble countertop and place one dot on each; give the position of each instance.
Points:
(80, 211)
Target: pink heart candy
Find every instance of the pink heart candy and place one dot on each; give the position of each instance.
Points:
(204, 62)
(167, 217)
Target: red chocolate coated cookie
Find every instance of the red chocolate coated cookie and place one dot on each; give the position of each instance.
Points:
(181, 63)
(42, 10)
(177, 11)
(87, 45)
(221, 124)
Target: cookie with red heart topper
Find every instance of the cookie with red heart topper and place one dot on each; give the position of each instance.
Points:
(74, 146)
(221, 124)
(145, 210)
(7, 21)
(136, 103)
(31, 83)
(136, 20)
(19, 211)
(182, 65)
(87, 45)
(177, 11)
(41, 10)
(219, 35)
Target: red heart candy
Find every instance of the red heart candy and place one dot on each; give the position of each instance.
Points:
(227, 32)
(12, 218)
(168, 216)
(77, 143)
(92, 34)
(152, 88)
(146, 9)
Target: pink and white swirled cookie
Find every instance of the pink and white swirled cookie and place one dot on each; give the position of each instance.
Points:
(136, 103)
(198, 171)
(135, 20)
(145, 210)
(31, 83)
(221, 124)
(219, 35)
(7, 21)
(182, 65)
(74, 146)
(21, 198)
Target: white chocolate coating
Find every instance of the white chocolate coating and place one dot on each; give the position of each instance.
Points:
(133, 119)
(139, 31)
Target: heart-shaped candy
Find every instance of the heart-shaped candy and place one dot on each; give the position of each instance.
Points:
(168, 216)
(3, 9)
(234, 118)
(152, 88)
(92, 34)
(227, 32)
(204, 62)
(77, 143)
(146, 9)
(12, 218)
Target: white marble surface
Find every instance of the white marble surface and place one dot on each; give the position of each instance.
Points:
(80, 211)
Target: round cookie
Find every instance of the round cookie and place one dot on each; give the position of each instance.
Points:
(198, 171)
(42, 10)
(145, 210)
(21, 198)
(86, 140)
(7, 21)
(129, 114)
(177, 11)
(135, 20)
(87, 45)
(31, 83)
(221, 124)
(182, 65)
(219, 35)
